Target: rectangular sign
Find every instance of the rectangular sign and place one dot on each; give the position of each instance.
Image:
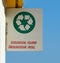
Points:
(24, 29)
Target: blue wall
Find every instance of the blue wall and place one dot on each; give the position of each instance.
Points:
(51, 35)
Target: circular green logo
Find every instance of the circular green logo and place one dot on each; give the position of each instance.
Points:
(24, 22)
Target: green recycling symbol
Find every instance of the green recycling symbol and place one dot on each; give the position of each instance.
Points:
(24, 22)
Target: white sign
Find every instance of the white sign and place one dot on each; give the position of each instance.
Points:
(24, 29)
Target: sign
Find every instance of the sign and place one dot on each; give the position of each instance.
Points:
(24, 29)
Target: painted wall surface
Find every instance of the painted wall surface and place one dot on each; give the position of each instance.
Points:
(51, 35)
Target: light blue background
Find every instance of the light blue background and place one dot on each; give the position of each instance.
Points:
(51, 35)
